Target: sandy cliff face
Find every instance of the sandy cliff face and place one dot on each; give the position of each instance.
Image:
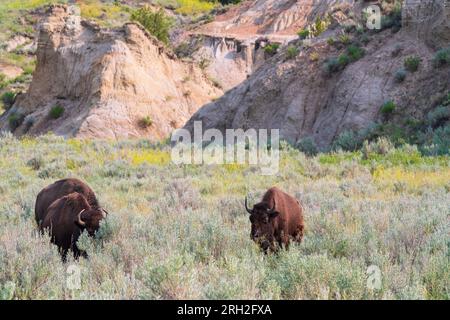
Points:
(233, 43)
(297, 97)
(278, 20)
(107, 81)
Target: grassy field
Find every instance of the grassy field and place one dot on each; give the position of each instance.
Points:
(177, 232)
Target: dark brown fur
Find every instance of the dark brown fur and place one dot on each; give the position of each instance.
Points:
(61, 221)
(279, 227)
(59, 189)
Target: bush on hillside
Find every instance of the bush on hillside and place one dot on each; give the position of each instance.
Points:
(347, 141)
(442, 58)
(292, 52)
(8, 99)
(56, 112)
(412, 63)
(400, 75)
(307, 146)
(388, 107)
(157, 23)
(15, 120)
(271, 49)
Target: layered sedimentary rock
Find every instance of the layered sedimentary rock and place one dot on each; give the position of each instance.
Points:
(110, 83)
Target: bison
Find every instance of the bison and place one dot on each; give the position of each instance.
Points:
(67, 218)
(59, 189)
(275, 220)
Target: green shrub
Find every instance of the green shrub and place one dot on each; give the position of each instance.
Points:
(271, 49)
(442, 58)
(331, 41)
(343, 60)
(360, 29)
(292, 52)
(440, 142)
(8, 99)
(446, 100)
(307, 146)
(347, 141)
(15, 120)
(392, 20)
(412, 63)
(320, 26)
(56, 112)
(204, 63)
(157, 23)
(400, 75)
(332, 65)
(146, 122)
(388, 107)
(29, 122)
(3, 81)
(344, 39)
(303, 34)
(381, 146)
(314, 56)
(438, 116)
(355, 53)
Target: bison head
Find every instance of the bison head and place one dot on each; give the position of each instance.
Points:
(261, 218)
(89, 219)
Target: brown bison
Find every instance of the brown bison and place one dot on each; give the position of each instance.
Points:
(67, 218)
(59, 189)
(276, 219)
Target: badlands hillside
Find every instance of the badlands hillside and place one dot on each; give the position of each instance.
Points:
(312, 69)
(340, 80)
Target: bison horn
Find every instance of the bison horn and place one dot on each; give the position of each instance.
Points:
(270, 211)
(246, 207)
(81, 222)
(105, 213)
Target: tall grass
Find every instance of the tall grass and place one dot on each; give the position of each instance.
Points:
(177, 232)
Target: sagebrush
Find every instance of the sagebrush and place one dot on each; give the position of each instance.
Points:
(177, 232)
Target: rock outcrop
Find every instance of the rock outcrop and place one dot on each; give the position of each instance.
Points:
(233, 43)
(107, 82)
(229, 61)
(297, 97)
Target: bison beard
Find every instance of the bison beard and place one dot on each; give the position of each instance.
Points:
(67, 218)
(276, 220)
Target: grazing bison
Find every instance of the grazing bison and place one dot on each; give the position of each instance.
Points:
(276, 219)
(67, 218)
(59, 189)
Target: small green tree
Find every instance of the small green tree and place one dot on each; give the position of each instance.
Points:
(157, 23)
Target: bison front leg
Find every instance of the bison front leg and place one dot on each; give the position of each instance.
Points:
(283, 240)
